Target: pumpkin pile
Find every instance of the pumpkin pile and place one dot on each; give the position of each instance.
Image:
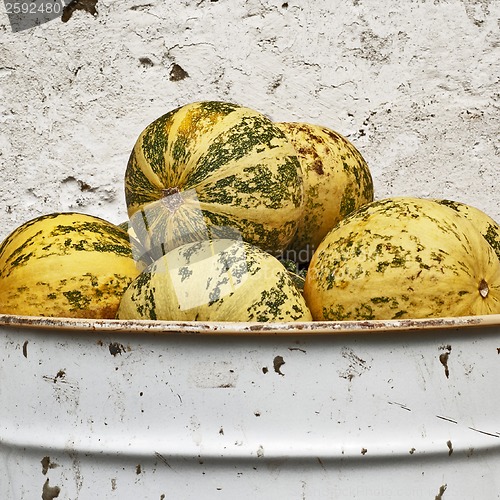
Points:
(234, 217)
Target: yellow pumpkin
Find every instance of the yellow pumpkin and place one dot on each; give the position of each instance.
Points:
(213, 170)
(336, 181)
(215, 280)
(65, 264)
(403, 258)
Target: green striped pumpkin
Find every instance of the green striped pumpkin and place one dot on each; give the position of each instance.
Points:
(65, 264)
(213, 170)
(403, 258)
(214, 280)
(336, 180)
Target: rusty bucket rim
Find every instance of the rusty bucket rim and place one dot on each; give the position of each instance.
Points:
(248, 328)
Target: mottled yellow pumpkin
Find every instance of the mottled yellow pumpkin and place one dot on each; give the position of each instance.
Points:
(213, 170)
(403, 258)
(65, 264)
(336, 180)
(217, 280)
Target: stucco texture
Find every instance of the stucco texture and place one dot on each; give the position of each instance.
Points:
(413, 84)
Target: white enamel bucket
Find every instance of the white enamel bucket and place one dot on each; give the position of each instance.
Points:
(161, 410)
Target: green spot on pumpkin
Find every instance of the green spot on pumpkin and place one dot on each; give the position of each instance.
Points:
(336, 313)
(365, 311)
(399, 314)
(381, 266)
(184, 272)
(398, 261)
(380, 300)
(76, 299)
(492, 236)
(269, 307)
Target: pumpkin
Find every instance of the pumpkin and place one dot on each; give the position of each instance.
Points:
(213, 170)
(483, 222)
(403, 257)
(214, 280)
(65, 264)
(336, 181)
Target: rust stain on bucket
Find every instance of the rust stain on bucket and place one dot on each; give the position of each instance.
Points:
(442, 489)
(450, 447)
(50, 492)
(47, 464)
(278, 362)
(116, 348)
(443, 358)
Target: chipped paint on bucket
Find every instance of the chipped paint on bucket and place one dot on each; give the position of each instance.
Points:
(349, 410)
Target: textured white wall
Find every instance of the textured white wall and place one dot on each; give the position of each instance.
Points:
(413, 84)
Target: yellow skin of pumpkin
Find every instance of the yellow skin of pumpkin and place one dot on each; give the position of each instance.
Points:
(218, 280)
(336, 180)
(213, 170)
(65, 265)
(482, 221)
(403, 258)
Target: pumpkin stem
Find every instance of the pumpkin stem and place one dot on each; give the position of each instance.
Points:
(172, 198)
(483, 288)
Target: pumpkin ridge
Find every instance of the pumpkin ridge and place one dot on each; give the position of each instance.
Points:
(197, 138)
(258, 158)
(142, 165)
(236, 142)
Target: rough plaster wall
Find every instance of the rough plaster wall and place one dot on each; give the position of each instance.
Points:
(413, 84)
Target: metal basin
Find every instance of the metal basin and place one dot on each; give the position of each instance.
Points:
(165, 410)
